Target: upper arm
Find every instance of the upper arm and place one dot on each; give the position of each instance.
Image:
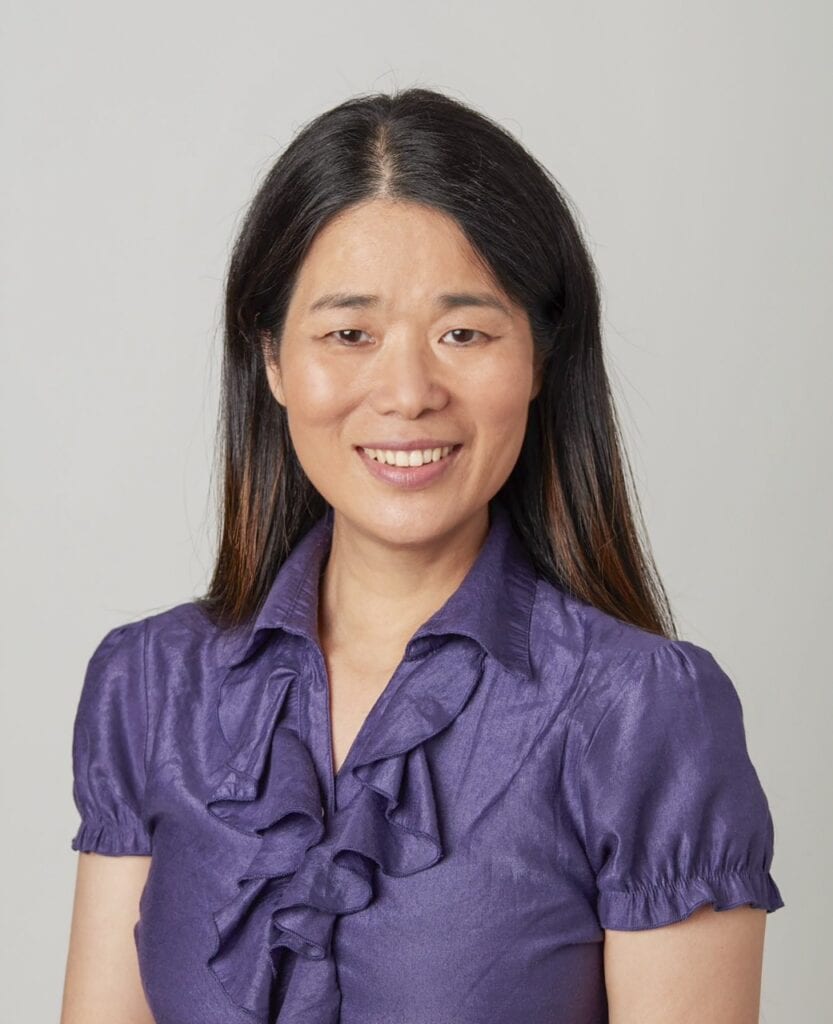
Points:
(706, 968)
(102, 982)
(109, 746)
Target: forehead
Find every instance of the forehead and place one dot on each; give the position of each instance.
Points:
(394, 248)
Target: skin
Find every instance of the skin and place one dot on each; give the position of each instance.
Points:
(102, 983)
(704, 970)
(397, 555)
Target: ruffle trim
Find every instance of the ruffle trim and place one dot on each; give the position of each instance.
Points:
(273, 954)
(662, 905)
(111, 838)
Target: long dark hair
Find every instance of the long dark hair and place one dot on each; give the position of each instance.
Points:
(570, 495)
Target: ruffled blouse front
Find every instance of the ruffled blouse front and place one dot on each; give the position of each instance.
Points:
(307, 871)
(533, 773)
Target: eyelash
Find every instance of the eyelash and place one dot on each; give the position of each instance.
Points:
(347, 344)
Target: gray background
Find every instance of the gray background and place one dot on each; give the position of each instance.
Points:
(695, 140)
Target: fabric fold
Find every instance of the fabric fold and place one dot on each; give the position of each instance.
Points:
(274, 950)
(661, 905)
(112, 838)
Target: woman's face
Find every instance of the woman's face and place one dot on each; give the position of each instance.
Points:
(395, 334)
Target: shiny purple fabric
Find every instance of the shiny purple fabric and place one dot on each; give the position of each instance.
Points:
(534, 772)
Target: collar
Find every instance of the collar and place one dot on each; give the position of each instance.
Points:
(493, 604)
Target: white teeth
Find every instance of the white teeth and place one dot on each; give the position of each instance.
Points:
(412, 458)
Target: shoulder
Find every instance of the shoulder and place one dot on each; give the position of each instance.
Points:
(166, 646)
(182, 629)
(564, 630)
(596, 661)
(561, 619)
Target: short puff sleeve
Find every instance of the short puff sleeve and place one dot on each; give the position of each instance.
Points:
(675, 816)
(108, 746)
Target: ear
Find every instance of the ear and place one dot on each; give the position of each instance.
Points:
(273, 369)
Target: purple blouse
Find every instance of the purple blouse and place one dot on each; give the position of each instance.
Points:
(534, 772)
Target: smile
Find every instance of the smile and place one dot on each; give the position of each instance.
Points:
(416, 457)
(410, 469)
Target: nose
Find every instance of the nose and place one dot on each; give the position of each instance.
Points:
(407, 377)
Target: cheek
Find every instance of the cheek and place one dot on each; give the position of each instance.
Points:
(499, 399)
(315, 393)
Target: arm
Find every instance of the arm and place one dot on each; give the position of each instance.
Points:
(705, 969)
(102, 983)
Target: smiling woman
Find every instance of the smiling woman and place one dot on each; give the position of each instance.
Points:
(429, 748)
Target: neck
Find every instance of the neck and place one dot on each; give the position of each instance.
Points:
(374, 595)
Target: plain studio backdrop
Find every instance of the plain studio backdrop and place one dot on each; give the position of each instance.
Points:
(694, 140)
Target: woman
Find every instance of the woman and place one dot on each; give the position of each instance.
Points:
(429, 750)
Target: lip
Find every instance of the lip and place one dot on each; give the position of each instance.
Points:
(410, 477)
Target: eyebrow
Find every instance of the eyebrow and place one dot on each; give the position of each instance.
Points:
(446, 301)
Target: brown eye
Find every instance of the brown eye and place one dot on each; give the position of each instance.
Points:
(464, 342)
(347, 342)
